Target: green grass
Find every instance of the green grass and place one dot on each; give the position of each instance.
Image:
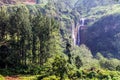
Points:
(86, 74)
(29, 77)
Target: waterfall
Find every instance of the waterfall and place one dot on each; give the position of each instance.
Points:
(73, 34)
(79, 39)
(76, 32)
(82, 21)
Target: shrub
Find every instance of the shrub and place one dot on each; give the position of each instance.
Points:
(91, 75)
(109, 64)
(53, 77)
(118, 68)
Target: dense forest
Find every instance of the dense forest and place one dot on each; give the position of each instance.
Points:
(39, 41)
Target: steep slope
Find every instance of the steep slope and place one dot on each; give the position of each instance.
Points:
(103, 33)
(63, 12)
(104, 36)
(103, 22)
(97, 14)
(85, 5)
(101, 11)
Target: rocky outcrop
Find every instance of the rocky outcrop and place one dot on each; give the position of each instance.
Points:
(104, 36)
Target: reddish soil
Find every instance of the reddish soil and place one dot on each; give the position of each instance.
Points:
(12, 78)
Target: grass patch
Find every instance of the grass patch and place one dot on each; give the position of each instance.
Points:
(29, 77)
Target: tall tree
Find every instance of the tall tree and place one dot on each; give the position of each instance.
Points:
(4, 19)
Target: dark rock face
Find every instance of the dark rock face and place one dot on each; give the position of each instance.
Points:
(104, 36)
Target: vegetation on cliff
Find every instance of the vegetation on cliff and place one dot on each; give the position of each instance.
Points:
(35, 40)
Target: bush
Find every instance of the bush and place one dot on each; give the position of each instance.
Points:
(29, 69)
(118, 68)
(6, 72)
(34, 69)
(91, 75)
(109, 64)
(53, 77)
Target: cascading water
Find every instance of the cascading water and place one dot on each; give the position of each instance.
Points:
(78, 36)
(82, 22)
(73, 34)
(76, 32)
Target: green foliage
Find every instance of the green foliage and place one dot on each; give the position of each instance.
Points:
(85, 56)
(101, 14)
(118, 68)
(28, 77)
(28, 38)
(53, 77)
(99, 56)
(32, 44)
(32, 69)
(99, 74)
(84, 6)
(111, 64)
(4, 18)
(57, 65)
(78, 62)
(1, 77)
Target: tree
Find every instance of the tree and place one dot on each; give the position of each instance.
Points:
(20, 32)
(99, 56)
(59, 67)
(118, 68)
(78, 62)
(4, 56)
(4, 30)
(111, 64)
(4, 19)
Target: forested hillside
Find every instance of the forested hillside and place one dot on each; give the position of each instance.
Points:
(102, 18)
(105, 33)
(59, 40)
